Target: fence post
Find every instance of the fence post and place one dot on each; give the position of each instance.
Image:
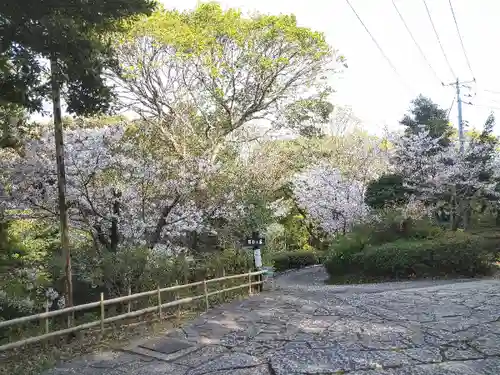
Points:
(223, 285)
(129, 306)
(102, 313)
(176, 298)
(159, 302)
(47, 319)
(249, 282)
(205, 290)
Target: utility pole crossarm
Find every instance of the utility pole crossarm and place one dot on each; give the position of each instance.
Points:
(457, 85)
(462, 83)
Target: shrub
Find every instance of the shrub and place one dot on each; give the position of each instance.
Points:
(231, 261)
(392, 228)
(388, 229)
(294, 260)
(25, 246)
(141, 269)
(451, 254)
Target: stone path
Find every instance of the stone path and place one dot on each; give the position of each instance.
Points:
(306, 327)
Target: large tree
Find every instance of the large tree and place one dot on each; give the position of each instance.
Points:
(211, 72)
(425, 121)
(53, 48)
(434, 174)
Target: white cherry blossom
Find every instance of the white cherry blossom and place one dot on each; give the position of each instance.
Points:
(118, 191)
(334, 202)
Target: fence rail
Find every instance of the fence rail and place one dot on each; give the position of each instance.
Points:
(129, 314)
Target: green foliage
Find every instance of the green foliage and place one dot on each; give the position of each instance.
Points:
(141, 269)
(489, 143)
(275, 239)
(287, 66)
(295, 235)
(26, 247)
(295, 260)
(388, 190)
(199, 31)
(11, 119)
(75, 35)
(391, 227)
(387, 229)
(393, 248)
(231, 261)
(434, 119)
(451, 254)
(307, 114)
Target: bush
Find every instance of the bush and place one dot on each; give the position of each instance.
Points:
(451, 254)
(231, 261)
(25, 248)
(141, 269)
(295, 260)
(385, 230)
(392, 228)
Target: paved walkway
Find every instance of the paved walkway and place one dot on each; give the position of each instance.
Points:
(306, 327)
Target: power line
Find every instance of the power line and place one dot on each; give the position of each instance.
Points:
(438, 39)
(492, 91)
(483, 105)
(379, 48)
(460, 37)
(415, 42)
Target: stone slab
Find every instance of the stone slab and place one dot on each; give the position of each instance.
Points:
(166, 345)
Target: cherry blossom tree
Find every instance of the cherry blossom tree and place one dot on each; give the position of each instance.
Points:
(433, 172)
(120, 191)
(334, 202)
(416, 157)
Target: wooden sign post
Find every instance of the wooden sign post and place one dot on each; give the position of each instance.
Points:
(256, 241)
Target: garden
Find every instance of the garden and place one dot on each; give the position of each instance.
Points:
(176, 134)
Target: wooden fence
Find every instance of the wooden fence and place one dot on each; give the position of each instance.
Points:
(44, 317)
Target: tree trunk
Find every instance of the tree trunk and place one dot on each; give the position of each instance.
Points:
(114, 236)
(466, 214)
(453, 213)
(162, 221)
(61, 179)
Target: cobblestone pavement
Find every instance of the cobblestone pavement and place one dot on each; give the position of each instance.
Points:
(306, 327)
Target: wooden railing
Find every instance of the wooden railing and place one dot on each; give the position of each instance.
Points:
(129, 314)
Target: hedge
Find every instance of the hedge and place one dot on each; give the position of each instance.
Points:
(451, 254)
(295, 260)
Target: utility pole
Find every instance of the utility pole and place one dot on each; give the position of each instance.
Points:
(460, 122)
(457, 85)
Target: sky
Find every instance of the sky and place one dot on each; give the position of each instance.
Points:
(378, 95)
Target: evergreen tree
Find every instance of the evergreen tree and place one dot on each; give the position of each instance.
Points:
(71, 36)
(426, 115)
